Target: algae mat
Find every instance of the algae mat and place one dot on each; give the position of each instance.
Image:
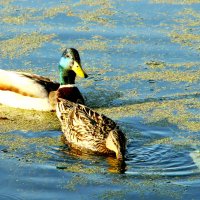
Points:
(142, 58)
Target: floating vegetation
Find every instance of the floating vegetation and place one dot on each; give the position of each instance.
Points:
(186, 39)
(29, 120)
(167, 75)
(14, 142)
(116, 194)
(52, 12)
(23, 44)
(79, 168)
(185, 64)
(171, 111)
(156, 64)
(76, 180)
(128, 40)
(15, 145)
(15, 20)
(95, 16)
(21, 15)
(177, 143)
(179, 66)
(186, 31)
(181, 2)
(101, 12)
(18, 15)
(96, 43)
(106, 3)
(143, 73)
(172, 76)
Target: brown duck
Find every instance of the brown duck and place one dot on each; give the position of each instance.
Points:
(87, 130)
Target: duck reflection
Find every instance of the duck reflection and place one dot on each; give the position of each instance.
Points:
(113, 165)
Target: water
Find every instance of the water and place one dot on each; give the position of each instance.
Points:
(142, 58)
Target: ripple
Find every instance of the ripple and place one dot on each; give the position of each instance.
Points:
(10, 197)
(163, 160)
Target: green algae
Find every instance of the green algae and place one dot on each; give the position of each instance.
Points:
(96, 43)
(54, 11)
(162, 188)
(152, 182)
(23, 44)
(15, 20)
(186, 39)
(26, 149)
(172, 76)
(170, 112)
(6, 2)
(76, 180)
(16, 142)
(167, 75)
(29, 120)
(17, 15)
(181, 2)
(124, 41)
(40, 156)
(180, 142)
(100, 14)
(156, 64)
(22, 15)
(155, 113)
(106, 3)
(185, 64)
(116, 194)
(16, 146)
(79, 168)
(176, 112)
(96, 16)
(12, 142)
(186, 30)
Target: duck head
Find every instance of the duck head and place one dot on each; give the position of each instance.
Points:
(70, 66)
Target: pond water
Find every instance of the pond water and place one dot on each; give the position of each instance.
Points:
(142, 58)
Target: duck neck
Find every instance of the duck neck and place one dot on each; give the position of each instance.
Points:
(67, 76)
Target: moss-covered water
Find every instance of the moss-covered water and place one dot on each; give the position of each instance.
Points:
(142, 58)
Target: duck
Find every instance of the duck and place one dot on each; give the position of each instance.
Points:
(34, 92)
(88, 131)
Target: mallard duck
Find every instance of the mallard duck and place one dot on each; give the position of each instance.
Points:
(30, 91)
(87, 130)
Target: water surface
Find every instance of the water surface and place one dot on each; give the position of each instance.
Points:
(142, 58)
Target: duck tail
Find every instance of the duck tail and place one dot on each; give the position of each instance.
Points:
(116, 141)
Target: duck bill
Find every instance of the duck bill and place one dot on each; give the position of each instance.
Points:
(78, 70)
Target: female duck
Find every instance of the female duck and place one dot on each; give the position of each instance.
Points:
(86, 130)
(30, 91)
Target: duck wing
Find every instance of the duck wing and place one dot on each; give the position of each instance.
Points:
(84, 121)
(26, 84)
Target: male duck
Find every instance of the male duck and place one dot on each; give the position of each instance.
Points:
(87, 130)
(30, 91)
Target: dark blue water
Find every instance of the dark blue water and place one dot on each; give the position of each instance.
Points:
(142, 58)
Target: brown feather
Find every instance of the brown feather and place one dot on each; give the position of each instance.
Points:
(87, 129)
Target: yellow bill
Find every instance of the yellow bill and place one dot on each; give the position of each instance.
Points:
(78, 70)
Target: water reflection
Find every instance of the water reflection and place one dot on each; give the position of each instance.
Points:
(10, 197)
(143, 60)
(116, 166)
(101, 162)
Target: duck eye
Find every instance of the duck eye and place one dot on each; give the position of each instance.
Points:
(67, 56)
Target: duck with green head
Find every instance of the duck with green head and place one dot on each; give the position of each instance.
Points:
(30, 91)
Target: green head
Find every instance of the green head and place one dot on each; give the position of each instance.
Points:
(70, 66)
